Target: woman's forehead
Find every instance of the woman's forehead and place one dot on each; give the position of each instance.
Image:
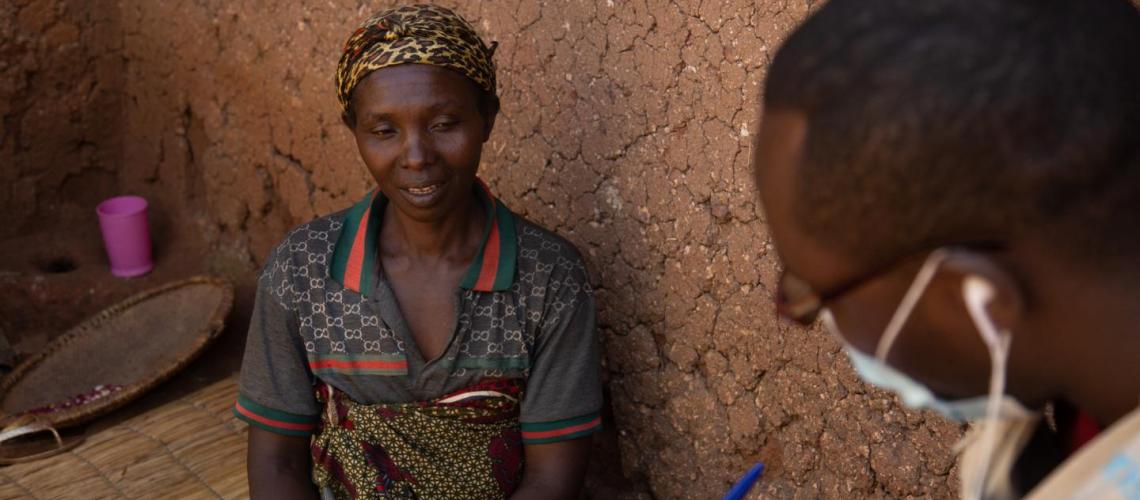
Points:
(414, 85)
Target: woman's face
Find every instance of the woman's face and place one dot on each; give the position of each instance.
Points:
(420, 132)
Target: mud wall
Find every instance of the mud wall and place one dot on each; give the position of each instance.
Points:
(625, 127)
(61, 74)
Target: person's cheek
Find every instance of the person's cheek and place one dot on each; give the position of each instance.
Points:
(854, 325)
(863, 315)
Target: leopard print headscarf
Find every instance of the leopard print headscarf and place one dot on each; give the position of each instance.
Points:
(414, 34)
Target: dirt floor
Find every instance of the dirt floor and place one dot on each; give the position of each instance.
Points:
(52, 280)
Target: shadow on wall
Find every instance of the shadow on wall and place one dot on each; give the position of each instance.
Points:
(61, 110)
(625, 128)
(537, 161)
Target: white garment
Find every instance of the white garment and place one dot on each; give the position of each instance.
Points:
(1107, 468)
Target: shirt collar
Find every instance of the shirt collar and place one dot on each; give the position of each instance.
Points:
(354, 263)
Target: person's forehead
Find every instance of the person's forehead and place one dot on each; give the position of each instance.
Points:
(779, 151)
(415, 80)
(779, 146)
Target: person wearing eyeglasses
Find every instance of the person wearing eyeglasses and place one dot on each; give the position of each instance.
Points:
(953, 187)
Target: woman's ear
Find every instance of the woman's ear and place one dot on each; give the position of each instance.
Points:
(490, 112)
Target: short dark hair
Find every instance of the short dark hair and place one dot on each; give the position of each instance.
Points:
(934, 122)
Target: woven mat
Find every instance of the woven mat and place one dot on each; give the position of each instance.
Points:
(190, 448)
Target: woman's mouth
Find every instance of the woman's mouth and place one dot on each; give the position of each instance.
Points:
(424, 196)
(423, 191)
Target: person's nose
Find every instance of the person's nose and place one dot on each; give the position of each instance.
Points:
(419, 152)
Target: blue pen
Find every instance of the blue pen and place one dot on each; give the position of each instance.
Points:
(745, 484)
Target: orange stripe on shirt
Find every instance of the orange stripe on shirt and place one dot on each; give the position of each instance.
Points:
(336, 363)
(490, 259)
(354, 268)
(562, 432)
(271, 422)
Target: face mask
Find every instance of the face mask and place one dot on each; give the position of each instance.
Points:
(912, 393)
(875, 370)
(991, 448)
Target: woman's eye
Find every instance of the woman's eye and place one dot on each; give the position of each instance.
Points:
(383, 132)
(444, 125)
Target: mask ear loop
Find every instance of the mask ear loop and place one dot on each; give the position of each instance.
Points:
(909, 301)
(978, 293)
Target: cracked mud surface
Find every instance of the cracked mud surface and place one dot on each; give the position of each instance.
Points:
(60, 103)
(625, 127)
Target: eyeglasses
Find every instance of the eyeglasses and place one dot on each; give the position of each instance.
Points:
(797, 301)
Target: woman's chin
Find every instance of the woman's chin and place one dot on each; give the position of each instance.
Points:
(438, 210)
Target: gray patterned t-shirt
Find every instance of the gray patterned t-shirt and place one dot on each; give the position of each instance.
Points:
(323, 311)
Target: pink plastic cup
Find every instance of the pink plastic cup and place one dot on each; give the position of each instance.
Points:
(126, 235)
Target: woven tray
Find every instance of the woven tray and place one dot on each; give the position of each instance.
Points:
(131, 346)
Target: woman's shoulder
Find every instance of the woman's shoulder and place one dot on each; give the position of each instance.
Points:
(309, 245)
(532, 236)
(546, 253)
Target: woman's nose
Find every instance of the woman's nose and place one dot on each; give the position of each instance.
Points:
(418, 151)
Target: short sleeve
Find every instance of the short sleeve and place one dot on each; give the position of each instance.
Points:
(563, 397)
(275, 386)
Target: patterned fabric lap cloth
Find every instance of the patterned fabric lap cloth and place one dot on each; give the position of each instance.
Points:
(463, 445)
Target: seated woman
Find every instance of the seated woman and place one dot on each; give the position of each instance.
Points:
(426, 342)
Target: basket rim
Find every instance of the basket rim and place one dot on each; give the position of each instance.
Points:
(210, 330)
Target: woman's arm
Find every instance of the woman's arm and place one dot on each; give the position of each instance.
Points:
(555, 470)
(278, 466)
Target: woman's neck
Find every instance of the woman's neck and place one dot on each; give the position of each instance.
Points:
(455, 237)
